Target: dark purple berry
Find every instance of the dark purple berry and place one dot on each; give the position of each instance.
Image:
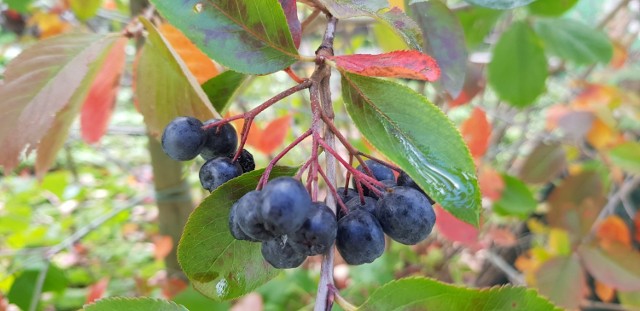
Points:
(346, 195)
(249, 216)
(218, 171)
(281, 255)
(405, 180)
(360, 239)
(285, 205)
(183, 138)
(405, 215)
(388, 184)
(221, 141)
(355, 203)
(246, 161)
(318, 232)
(234, 226)
(380, 172)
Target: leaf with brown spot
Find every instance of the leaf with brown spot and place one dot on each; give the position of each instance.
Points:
(42, 92)
(398, 64)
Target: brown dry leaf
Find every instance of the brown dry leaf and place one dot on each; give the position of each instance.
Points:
(605, 292)
(613, 230)
(200, 65)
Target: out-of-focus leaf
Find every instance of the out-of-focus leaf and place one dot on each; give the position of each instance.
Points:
(500, 4)
(575, 203)
(245, 36)
(164, 86)
(21, 6)
(562, 280)
(602, 135)
(605, 292)
(291, 13)
(616, 265)
(516, 199)
(395, 119)
(491, 183)
(48, 24)
(518, 68)
(444, 39)
(387, 39)
(194, 301)
(543, 164)
(274, 134)
(476, 132)
(551, 7)
(352, 8)
(98, 106)
(629, 299)
(474, 83)
(85, 9)
(574, 41)
(198, 63)
(97, 290)
(221, 88)
(219, 266)
(43, 87)
(627, 157)
(477, 22)
(620, 55)
(636, 223)
(162, 245)
(399, 64)
(429, 294)
(455, 230)
(24, 285)
(613, 230)
(137, 304)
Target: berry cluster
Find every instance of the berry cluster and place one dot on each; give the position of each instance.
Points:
(400, 209)
(186, 137)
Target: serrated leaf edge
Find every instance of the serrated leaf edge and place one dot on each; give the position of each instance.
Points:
(133, 299)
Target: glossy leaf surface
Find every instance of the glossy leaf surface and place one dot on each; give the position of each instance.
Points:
(399, 64)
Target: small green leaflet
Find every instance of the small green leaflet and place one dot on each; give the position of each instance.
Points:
(574, 41)
(627, 156)
(220, 89)
(248, 36)
(518, 67)
(501, 4)
(551, 7)
(137, 304)
(219, 266)
(429, 294)
(419, 138)
(516, 200)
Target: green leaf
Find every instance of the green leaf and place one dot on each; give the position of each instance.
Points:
(247, 36)
(563, 281)
(543, 164)
(219, 266)
(399, 22)
(21, 6)
(574, 41)
(418, 137)
(24, 285)
(137, 304)
(42, 87)
(221, 88)
(627, 156)
(444, 40)
(551, 7)
(477, 22)
(429, 294)
(501, 4)
(194, 301)
(617, 265)
(85, 9)
(516, 199)
(518, 68)
(164, 86)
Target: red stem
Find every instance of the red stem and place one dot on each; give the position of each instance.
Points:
(387, 164)
(265, 176)
(333, 190)
(293, 75)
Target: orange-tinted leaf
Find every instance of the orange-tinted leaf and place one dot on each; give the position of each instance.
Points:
(605, 292)
(200, 65)
(273, 135)
(50, 76)
(397, 3)
(255, 134)
(474, 83)
(613, 230)
(636, 222)
(603, 136)
(291, 13)
(173, 286)
(49, 24)
(398, 64)
(594, 95)
(163, 244)
(620, 55)
(97, 290)
(562, 280)
(491, 183)
(476, 132)
(100, 102)
(543, 164)
(456, 230)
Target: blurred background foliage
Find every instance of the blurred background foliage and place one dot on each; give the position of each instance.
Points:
(550, 109)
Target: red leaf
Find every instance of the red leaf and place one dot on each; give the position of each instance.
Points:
(273, 135)
(291, 13)
(173, 286)
(97, 290)
(456, 230)
(100, 102)
(491, 183)
(163, 246)
(398, 64)
(474, 83)
(476, 131)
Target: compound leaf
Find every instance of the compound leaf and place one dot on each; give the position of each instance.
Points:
(219, 266)
(418, 137)
(248, 36)
(429, 294)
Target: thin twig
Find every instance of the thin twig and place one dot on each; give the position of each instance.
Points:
(514, 276)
